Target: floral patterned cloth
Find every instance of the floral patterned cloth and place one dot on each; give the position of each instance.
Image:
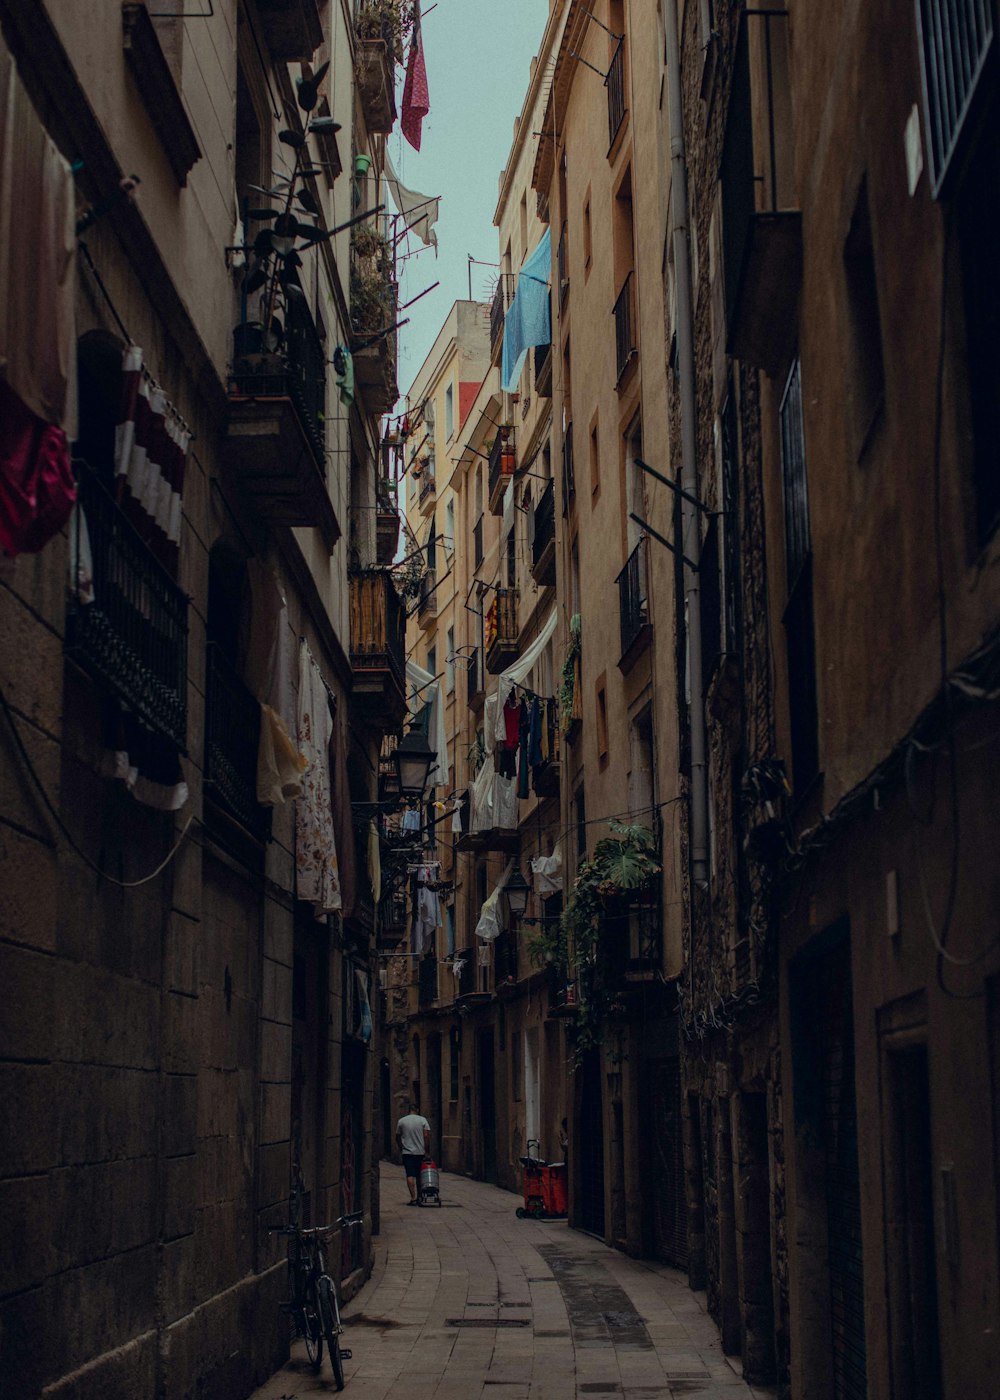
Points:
(315, 846)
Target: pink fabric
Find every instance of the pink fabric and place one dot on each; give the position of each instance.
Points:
(37, 490)
(416, 99)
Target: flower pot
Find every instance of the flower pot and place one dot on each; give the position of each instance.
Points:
(362, 165)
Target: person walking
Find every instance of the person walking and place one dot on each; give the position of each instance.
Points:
(413, 1136)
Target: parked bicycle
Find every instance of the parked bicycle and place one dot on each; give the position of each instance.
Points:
(314, 1304)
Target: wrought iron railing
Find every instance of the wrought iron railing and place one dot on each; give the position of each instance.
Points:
(624, 327)
(427, 979)
(301, 377)
(501, 619)
(956, 37)
(561, 990)
(475, 680)
(129, 626)
(562, 266)
(378, 623)
(569, 476)
(545, 524)
(498, 308)
(428, 486)
(501, 461)
(615, 83)
(505, 959)
(633, 611)
(232, 738)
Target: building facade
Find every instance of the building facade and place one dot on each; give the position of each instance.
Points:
(200, 666)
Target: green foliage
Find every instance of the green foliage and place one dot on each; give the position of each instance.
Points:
(390, 20)
(567, 688)
(624, 863)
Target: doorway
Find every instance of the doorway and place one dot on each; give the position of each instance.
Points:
(664, 1185)
(588, 1144)
(434, 1093)
(487, 1105)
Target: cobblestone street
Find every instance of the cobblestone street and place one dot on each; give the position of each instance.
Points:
(467, 1301)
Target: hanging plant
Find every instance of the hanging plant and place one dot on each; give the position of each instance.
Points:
(388, 20)
(624, 865)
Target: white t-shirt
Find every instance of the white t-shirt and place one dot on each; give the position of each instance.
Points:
(411, 1133)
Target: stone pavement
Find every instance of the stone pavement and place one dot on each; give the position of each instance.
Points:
(466, 1302)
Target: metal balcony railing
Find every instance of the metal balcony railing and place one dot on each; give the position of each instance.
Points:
(378, 623)
(130, 629)
(562, 265)
(501, 626)
(615, 84)
(545, 525)
(569, 477)
(475, 678)
(501, 465)
(302, 379)
(427, 979)
(232, 738)
(624, 327)
(632, 605)
(502, 298)
(955, 41)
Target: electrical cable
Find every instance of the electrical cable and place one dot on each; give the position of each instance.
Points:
(67, 835)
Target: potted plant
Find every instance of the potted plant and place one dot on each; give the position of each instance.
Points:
(387, 21)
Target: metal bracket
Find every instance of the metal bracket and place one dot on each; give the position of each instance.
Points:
(644, 524)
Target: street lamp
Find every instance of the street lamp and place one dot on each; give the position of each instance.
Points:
(413, 758)
(517, 889)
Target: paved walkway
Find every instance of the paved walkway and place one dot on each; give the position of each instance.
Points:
(466, 1302)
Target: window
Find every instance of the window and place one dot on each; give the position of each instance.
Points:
(731, 524)
(524, 225)
(711, 602)
(515, 1065)
(432, 660)
(580, 816)
(510, 554)
(450, 917)
(595, 458)
(454, 1049)
(602, 720)
(450, 662)
(477, 541)
(798, 617)
(449, 526)
(449, 412)
(588, 245)
(866, 383)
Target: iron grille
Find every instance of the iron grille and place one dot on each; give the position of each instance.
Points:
(498, 308)
(545, 524)
(569, 478)
(562, 270)
(632, 609)
(615, 84)
(624, 328)
(132, 633)
(232, 737)
(956, 41)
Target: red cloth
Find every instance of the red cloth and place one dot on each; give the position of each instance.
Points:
(512, 723)
(37, 489)
(416, 99)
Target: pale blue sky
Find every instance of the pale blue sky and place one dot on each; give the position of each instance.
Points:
(478, 54)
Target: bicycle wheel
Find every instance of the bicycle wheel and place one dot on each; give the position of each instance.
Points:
(312, 1329)
(330, 1315)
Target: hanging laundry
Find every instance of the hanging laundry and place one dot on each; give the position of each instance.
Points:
(150, 453)
(416, 98)
(408, 202)
(374, 862)
(363, 1002)
(524, 723)
(37, 490)
(343, 818)
(279, 764)
(315, 844)
(529, 320)
(343, 364)
(512, 721)
(411, 821)
(148, 765)
(535, 726)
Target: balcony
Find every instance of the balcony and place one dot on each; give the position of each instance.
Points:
(501, 630)
(468, 978)
(543, 369)
(625, 346)
(504, 839)
(569, 475)
(543, 545)
(378, 647)
(132, 635)
(292, 29)
(475, 680)
(427, 603)
(392, 917)
(505, 960)
(386, 532)
(562, 267)
(427, 494)
(633, 607)
(502, 298)
(561, 991)
(275, 443)
(615, 84)
(501, 468)
(633, 930)
(374, 296)
(545, 778)
(427, 980)
(375, 71)
(761, 227)
(232, 738)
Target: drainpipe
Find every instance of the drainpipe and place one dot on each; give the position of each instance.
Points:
(690, 522)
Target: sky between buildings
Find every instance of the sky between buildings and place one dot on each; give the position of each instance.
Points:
(478, 53)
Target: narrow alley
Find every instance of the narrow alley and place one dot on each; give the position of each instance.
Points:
(467, 1301)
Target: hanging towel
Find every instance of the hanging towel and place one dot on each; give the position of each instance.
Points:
(408, 202)
(374, 862)
(416, 99)
(535, 756)
(343, 363)
(528, 321)
(279, 764)
(315, 844)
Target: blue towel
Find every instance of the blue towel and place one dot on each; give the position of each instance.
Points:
(528, 321)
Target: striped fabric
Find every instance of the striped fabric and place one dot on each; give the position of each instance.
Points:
(151, 446)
